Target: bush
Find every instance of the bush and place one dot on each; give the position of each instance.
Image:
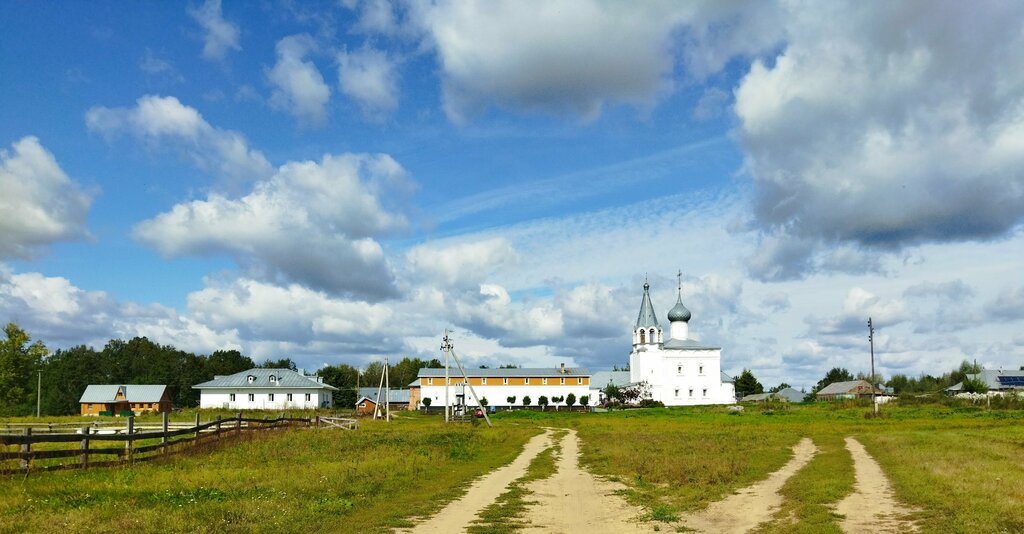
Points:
(426, 402)
(526, 400)
(570, 400)
(650, 403)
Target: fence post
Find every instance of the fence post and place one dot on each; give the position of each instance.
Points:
(238, 423)
(197, 428)
(163, 439)
(318, 421)
(26, 449)
(84, 457)
(266, 419)
(218, 428)
(128, 442)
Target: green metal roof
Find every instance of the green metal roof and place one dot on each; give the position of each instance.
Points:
(101, 393)
(647, 318)
(261, 378)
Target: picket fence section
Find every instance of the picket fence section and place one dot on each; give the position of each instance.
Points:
(160, 440)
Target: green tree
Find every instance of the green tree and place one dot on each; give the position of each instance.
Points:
(747, 384)
(570, 400)
(975, 385)
(585, 400)
(779, 388)
(542, 402)
(483, 402)
(343, 377)
(526, 400)
(283, 363)
(612, 393)
(511, 400)
(19, 363)
(227, 362)
(426, 402)
(836, 374)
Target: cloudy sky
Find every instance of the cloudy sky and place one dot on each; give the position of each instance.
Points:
(339, 181)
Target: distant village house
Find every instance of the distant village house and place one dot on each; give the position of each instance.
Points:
(266, 389)
(108, 399)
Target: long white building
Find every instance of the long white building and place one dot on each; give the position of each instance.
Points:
(266, 389)
(498, 385)
(680, 371)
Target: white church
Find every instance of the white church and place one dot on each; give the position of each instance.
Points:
(680, 371)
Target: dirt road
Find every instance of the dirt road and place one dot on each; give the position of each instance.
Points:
(753, 505)
(572, 500)
(871, 507)
(459, 513)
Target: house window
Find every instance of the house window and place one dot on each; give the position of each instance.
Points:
(251, 379)
(270, 397)
(579, 380)
(231, 397)
(483, 380)
(307, 397)
(273, 378)
(289, 397)
(252, 397)
(430, 381)
(544, 381)
(691, 392)
(90, 407)
(705, 392)
(505, 381)
(526, 380)
(679, 369)
(701, 369)
(561, 380)
(677, 392)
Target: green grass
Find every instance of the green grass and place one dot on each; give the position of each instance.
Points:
(958, 463)
(291, 480)
(506, 514)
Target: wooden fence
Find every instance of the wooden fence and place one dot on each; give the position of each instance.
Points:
(90, 439)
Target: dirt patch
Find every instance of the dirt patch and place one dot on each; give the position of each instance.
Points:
(872, 506)
(572, 500)
(753, 505)
(458, 514)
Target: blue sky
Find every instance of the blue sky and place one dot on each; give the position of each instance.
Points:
(335, 182)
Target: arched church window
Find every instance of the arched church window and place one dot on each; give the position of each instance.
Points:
(652, 335)
(642, 339)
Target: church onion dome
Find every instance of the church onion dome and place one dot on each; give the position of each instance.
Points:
(679, 312)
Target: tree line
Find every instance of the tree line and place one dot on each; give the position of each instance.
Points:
(65, 373)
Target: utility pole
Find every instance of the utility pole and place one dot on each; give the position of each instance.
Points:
(39, 393)
(446, 346)
(451, 349)
(871, 342)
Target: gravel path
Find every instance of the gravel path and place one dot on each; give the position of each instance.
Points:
(871, 507)
(753, 505)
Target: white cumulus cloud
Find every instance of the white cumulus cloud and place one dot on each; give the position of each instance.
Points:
(40, 204)
(314, 223)
(298, 85)
(221, 35)
(369, 77)
(164, 119)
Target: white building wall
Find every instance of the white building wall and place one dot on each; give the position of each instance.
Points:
(497, 394)
(265, 398)
(682, 377)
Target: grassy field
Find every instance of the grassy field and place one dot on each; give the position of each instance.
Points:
(958, 465)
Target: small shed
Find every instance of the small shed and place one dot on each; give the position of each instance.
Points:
(785, 394)
(850, 389)
(112, 399)
(367, 401)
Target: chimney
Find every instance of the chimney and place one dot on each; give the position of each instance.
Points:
(563, 368)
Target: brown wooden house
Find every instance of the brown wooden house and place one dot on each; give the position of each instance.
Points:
(106, 399)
